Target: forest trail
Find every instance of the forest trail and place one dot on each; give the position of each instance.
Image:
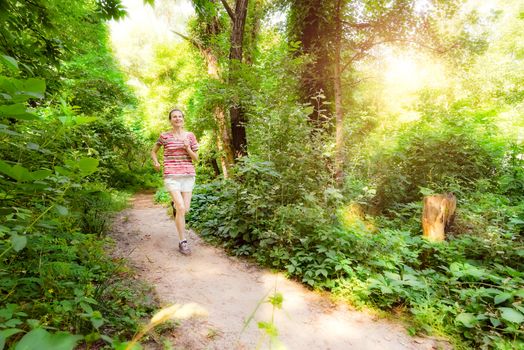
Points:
(230, 289)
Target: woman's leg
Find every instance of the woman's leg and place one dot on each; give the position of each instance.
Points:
(187, 200)
(180, 218)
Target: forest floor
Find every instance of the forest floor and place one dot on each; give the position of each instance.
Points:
(230, 290)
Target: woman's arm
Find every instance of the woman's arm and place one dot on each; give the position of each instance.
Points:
(156, 164)
(192, 154)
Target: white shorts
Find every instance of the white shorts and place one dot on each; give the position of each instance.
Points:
(179, 183)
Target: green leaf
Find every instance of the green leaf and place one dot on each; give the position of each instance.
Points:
(33, 87)
(7, 85)
(499, 298)
(276, 300)
(511, 315)
(61, 210)
(32, 323)
(21, 173)
(6, 333)
(308, 110)
(18, 111)
(88, 165)
(97, 322)
(92, 337)
(495, 322)
(467, 319)
(269, 328)
(322, 272)
(106, 338)
(43, 340)
(124, 346)
(18, 242)
(87, 308)
(5, 168)
(10, 63)
(63, 171)
(426, 191)
(40, 174)
(4, 129)
(84, 120)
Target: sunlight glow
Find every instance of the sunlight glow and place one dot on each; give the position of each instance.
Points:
(146, 26)
(405, 74)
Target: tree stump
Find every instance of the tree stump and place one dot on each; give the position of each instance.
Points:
(437, 215)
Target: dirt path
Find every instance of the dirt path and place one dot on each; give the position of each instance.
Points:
(230, 289)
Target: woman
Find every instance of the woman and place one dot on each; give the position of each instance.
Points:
(180, 149)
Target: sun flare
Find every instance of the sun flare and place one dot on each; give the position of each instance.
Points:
(404, 74)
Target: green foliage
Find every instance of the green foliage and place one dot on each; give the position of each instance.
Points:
(42, 339)
(41, 34)
(59, 163)
(469, 287)
(447, 153)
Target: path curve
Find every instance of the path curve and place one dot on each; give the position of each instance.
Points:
(230, 289)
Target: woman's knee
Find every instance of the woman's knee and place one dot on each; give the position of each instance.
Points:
(180, 208)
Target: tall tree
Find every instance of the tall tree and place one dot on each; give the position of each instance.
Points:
(339, 33)
(236, 113)
(337, 86)
(310, 23)
(204, 39)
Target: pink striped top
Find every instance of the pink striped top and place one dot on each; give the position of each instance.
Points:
(176, 159)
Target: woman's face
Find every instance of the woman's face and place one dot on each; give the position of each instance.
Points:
(177, 119)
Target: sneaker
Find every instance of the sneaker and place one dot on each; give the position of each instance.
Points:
(174, 209)
(184, 247)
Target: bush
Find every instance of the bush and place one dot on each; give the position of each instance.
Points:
(447, 155)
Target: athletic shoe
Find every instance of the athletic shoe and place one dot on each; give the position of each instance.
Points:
(184, 247)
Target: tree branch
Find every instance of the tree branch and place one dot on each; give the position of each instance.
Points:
(191, 40)
(357, 82)
(228, 9)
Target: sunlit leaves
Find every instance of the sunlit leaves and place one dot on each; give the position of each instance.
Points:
(9, 61)
(467, 319)
(19, 90)
(511, 315)
(88, 165)
(17, 111)
(39, 338)
(499, 298)
(22, 174)
(111, 9)
(18, 242)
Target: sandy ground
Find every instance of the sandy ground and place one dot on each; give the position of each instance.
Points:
(230, 290)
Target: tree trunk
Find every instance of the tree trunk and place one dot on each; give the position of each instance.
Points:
(224, 136)
(214, 165)
(337, 84)
(311, 25)
(437, 215)
(224, 141)
(236, 114)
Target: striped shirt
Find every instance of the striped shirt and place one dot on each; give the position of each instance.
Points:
(176, 159)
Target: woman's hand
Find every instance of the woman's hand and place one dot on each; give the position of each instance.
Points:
(189, 150)
(156, 165)
(187, 144)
